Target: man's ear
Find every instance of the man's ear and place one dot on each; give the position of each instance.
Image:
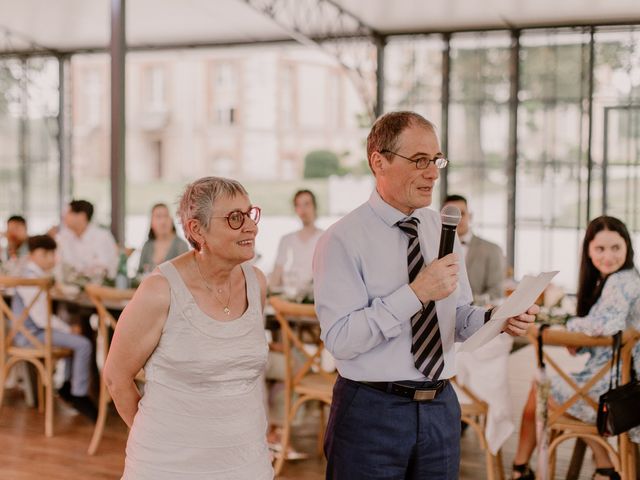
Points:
(378, 162)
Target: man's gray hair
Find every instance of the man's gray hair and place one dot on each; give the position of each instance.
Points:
(199, 197)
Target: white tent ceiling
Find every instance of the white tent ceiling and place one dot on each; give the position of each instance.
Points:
(70, 25)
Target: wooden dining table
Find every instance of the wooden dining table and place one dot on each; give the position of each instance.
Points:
(82, 300)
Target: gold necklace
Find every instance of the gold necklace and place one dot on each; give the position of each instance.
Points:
(226, 309)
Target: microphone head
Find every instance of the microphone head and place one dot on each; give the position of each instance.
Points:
(450, 215)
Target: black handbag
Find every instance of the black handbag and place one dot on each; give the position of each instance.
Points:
(618, 407)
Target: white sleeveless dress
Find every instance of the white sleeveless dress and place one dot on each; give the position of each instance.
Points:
(202, 415)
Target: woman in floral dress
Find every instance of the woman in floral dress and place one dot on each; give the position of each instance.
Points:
(608, 301)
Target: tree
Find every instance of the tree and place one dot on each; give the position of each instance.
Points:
(9, 85)
(321, 164)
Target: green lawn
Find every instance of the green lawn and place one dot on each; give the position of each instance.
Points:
(273, 196)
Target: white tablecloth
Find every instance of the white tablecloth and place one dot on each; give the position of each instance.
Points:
(484, 372)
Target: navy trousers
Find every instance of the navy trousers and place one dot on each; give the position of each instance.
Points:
(377, 435)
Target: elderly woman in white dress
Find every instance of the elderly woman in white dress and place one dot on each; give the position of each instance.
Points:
(196, 326)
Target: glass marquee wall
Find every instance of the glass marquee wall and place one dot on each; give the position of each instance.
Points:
(575, 122)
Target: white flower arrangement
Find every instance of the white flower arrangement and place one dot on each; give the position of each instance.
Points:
(557, 307)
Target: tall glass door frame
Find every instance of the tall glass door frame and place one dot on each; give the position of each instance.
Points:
(631, 205)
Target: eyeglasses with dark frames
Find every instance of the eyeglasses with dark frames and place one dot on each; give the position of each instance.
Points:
(236, 218)
(423, 162)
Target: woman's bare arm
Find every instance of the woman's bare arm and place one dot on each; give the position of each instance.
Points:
(136, 336)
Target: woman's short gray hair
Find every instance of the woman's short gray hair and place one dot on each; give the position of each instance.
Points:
(199, 197)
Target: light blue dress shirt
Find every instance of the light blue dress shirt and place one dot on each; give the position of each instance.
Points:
(363, 299)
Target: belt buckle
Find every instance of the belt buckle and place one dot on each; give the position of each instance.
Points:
(424, 395)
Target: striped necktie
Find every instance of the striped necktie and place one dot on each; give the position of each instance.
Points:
(426, 344)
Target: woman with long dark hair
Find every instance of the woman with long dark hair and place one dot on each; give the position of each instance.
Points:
(608, 301)
(163, 244)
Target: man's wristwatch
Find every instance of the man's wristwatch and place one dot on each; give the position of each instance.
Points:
(487, 314)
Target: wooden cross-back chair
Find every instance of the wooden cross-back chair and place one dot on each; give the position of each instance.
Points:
(307, 379)
(563, 426)
(106, 324)
(41, 354)
(474, 413)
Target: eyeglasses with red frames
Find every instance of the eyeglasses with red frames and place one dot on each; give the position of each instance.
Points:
(236, 218)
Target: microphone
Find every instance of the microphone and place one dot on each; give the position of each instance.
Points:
(450, 216)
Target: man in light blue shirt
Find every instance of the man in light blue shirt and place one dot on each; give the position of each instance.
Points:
(390, 312)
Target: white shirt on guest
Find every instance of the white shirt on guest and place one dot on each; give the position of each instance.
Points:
(464, 241)
(295, 255)
(38, 312)
(94, 249)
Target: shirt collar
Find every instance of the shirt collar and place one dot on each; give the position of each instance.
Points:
(466, 238)
(31, 267)
(84, 234)
(386, 212)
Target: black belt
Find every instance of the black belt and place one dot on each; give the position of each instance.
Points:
(418, 392)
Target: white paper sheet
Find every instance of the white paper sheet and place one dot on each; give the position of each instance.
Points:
(529, 289)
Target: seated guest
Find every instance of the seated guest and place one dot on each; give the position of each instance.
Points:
(292, 270)
(17, 249)
(295, 251)
(40, 263)
(16, 237)
(484, 259)
(608, 301)
(86, 247)
(162, 244)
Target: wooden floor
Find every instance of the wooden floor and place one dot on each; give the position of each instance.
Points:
(26, 454)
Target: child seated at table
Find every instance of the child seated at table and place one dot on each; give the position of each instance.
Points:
(40, 263)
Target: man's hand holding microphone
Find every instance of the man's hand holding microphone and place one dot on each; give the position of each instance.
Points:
(439, 279)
